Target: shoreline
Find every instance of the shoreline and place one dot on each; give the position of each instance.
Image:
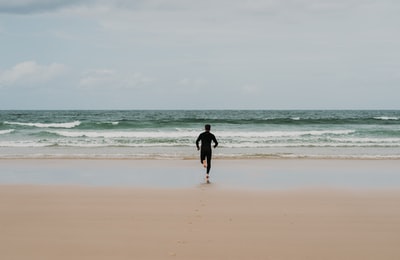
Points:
(215, 157)
(247, 174)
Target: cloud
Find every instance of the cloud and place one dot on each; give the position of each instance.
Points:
(29, 72)
(112, 79)
(215, 21)
(189, 45)
(210, 6)
(35, 6)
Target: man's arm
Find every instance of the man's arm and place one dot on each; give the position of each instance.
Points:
(215, 141)
(197, 142)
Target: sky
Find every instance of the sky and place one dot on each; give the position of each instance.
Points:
(208, 54)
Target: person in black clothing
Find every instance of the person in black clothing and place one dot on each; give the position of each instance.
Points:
(205, 151)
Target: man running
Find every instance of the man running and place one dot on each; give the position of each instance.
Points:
(205, 152)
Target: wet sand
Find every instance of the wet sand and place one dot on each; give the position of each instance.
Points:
(271, 174)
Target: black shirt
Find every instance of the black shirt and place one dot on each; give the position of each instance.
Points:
(206, 138)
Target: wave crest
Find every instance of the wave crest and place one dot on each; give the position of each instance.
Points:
(4, 132)
(49, 125)
(386, 118)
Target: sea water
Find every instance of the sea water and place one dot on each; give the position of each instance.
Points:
(171, 134)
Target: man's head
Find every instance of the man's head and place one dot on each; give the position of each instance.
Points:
(207, 127)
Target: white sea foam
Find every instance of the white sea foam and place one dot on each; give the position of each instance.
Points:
(124, 134)
(112, 123)
(192, 134)
(4, 132)
(367, 140)
(387, 118)
(244, 144)
(306, 144)
(276, 134)
(50, 125)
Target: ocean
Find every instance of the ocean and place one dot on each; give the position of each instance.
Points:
(171, 134)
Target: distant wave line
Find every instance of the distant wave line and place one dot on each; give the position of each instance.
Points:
(49, 125)
(193, 134)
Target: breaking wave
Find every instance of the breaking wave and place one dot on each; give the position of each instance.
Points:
(46, 125)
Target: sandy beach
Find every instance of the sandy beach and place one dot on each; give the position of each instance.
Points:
(72, 219)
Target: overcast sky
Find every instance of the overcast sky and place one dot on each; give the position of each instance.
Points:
(203, 54)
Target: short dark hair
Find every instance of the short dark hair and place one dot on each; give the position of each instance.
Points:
(207, 127)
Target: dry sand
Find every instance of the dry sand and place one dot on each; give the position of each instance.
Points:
(72, 222)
